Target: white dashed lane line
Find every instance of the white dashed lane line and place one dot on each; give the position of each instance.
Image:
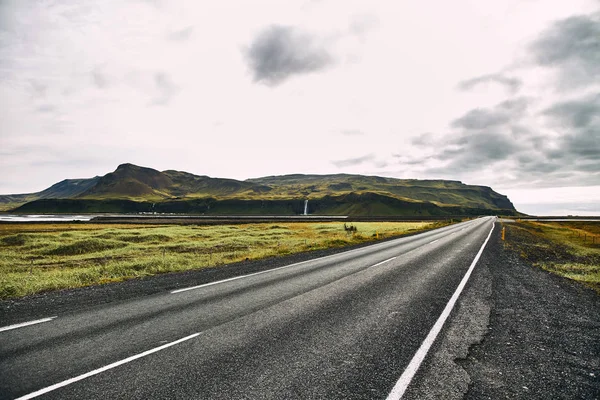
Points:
(23, 324)
(105, 368)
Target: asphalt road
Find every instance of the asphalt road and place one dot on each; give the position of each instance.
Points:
(345, 326)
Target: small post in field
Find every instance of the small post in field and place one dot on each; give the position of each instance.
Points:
(503, 230)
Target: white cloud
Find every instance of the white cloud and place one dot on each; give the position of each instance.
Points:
(168, 85)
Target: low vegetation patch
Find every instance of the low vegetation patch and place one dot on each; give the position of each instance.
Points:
(14, 240)
(41, 257)
(91, 245)
(138, 238)
(568, 249)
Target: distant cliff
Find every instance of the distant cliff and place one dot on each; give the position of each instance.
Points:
(133, 189)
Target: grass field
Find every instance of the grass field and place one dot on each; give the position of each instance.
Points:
(41, 257)
(569, 249)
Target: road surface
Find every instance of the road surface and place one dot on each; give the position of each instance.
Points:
(339, 327)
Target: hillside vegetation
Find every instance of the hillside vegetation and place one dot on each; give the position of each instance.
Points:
(132, 188)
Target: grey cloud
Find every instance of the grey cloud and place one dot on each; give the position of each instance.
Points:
(166, 89)
(280, 52)
(181, 35)
(577, 113)
(45, 108)
(409, 159)
(498, 137)
(353, 161)
(485, 118)
(513, 84)
(579, 122)
(537, 164)
(39, 89)
(423, 140)
(516, 105)
(502, 137)
(572, 45)
(554, 154)
(415, 161)
(481, 118)
(481, 138)
(481, 148)
(593, 166)
(525, 159)
(352, 132)
(99, 79)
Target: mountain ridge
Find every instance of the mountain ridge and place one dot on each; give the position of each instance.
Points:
(132, 188)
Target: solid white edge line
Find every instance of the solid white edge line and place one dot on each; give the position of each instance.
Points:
(434, 241)
(22, 324)
(105, 368)
(278, 268)
(410, 371)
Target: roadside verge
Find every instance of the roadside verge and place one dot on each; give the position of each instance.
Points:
(518, 332)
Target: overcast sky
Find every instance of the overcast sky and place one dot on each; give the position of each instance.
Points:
(498, 93)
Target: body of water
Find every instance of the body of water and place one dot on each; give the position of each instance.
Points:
(44, 217)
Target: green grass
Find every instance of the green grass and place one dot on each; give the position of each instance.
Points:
(568, 249)
(42, 257)
(584, 273)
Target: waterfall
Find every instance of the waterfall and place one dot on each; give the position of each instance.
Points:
(305, 207)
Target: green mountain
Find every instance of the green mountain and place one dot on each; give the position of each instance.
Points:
(439, 192)
(131, 182)
(132, 188)
(67, 188)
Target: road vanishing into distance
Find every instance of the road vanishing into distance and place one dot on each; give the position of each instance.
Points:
(353, 325)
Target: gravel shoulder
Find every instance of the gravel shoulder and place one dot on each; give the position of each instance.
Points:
(518, 333)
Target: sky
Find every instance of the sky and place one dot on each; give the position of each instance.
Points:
(502, 93)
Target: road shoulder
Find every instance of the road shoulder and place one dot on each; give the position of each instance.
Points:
(518, 332)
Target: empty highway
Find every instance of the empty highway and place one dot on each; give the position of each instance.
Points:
(348, 325)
